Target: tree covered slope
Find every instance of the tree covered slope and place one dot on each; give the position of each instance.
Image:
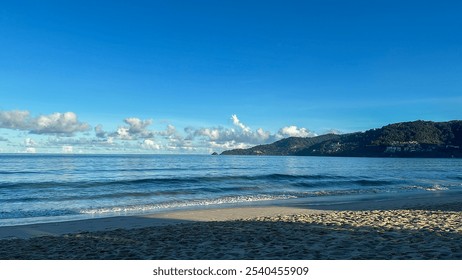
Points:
(407, 139)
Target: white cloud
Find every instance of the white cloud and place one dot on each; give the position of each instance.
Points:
(149, 144)
(213, 134)
(123, 133)
(229, 145)
(238, 123)
(65, 124)
(136, 129)
(137, 126)
(169, 131)
(99, 132)
(58, 123)
(176, 141)
(15, 120)
(264, 135)
(294, 131)
(240, 136)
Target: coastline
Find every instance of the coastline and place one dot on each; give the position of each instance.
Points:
(423, 227)
(427, 201)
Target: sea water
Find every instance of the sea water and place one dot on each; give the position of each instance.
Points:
(48, 188)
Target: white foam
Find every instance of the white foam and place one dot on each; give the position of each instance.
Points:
(154, 207)
(433, 188)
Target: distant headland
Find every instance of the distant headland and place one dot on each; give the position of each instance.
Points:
(406, 139)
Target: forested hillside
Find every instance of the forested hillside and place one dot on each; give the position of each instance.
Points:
(407, 139)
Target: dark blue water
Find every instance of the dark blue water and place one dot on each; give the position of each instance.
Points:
(43, 188)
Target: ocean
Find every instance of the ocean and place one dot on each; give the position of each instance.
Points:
(52, 188)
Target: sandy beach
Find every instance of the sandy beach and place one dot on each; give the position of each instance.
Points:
(418, 228)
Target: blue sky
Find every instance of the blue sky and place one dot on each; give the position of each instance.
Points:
(201, 76)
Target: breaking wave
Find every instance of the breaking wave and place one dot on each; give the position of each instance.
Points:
(184, 204)
(433, 188)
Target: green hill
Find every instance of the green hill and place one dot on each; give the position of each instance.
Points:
(407, 139)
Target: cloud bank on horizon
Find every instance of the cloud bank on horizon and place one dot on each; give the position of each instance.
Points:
(65, 133)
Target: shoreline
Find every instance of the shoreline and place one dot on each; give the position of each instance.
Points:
(433, 201)
(420, 228)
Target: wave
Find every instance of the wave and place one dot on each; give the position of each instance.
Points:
(337, 192)
(205, 202)
(225, 200)
(168, 181)
(433, 188)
